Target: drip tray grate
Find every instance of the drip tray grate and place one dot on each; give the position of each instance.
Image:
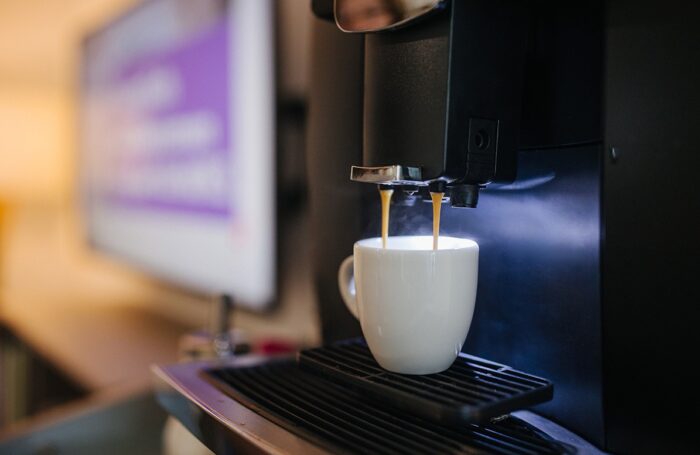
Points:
(472, 390)
(343, 420)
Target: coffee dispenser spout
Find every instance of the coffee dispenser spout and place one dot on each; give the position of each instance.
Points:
(395, 174)
(459, 194)
(409, 179)
(464, 195)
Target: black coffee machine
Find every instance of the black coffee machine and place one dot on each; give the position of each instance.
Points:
(565, 133)
(564, 136)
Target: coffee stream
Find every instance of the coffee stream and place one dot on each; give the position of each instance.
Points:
(437, 205)
(386, 193)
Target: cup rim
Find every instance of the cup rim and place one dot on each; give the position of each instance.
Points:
(446, 243)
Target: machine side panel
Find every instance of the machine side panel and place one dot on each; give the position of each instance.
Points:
(334, 143)
(538, 305)
(652, 218)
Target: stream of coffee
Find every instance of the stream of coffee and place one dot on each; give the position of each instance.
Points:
(385, 195)
(437, 205)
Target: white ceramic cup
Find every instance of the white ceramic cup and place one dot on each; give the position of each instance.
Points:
(415, 304)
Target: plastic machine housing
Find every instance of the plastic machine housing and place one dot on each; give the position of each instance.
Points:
(587, 274)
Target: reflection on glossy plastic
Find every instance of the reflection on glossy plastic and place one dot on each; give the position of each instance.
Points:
(376, 15)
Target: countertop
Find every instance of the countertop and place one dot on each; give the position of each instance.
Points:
(97, 343)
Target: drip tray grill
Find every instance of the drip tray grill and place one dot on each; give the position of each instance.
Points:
(472, 390)
(343, 420)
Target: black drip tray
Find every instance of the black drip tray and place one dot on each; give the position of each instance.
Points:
(343, 420)
(472, 390)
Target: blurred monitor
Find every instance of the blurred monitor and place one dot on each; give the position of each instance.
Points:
(177, 141)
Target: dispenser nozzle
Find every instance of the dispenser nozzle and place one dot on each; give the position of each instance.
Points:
(390, 175)
(464, 195)
(409, 179)
(437, 186)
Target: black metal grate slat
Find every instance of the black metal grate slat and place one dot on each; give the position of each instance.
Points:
(356, 362)
(392, 434)
(256, 383)
(472, 390)
(381, 438)
(343, 420)
(497, 384)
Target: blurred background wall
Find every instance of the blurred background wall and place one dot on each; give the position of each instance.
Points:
(95, 319)
(42, 248)
(38, 58)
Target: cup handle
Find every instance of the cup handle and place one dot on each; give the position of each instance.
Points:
(346, 284)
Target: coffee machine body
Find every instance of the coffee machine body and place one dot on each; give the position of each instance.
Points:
(587, 208)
